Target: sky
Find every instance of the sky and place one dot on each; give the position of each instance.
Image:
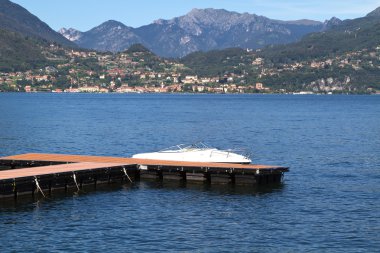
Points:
(86, 14)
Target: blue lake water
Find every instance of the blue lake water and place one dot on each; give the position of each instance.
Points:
(329, 201)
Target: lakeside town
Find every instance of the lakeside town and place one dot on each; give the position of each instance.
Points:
(139, 71)
(136, 72)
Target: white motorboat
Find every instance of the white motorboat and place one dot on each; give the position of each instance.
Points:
(199, 152)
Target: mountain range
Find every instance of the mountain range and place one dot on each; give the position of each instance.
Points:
(342, 37)
(348, 35)
(199, 30)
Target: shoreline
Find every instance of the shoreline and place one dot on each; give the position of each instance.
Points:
(195, 93)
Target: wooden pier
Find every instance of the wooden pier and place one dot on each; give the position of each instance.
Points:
(43, 173)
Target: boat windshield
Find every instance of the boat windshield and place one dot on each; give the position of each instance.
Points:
(179, 147)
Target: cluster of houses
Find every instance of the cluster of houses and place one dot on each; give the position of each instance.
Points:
(125, 88)
(186, 84)
(121, 73)
(138, 73)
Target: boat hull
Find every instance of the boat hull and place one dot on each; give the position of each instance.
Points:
(210, 155)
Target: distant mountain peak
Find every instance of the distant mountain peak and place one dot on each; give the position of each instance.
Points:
(112, 22)
(374, 13)
(70, 34)
(63, 29)
(111, 36)
(335, 20)
(212, 15)
(197, 11)
(196, 16)
(111, 26)
(159, 21)
(332, 22)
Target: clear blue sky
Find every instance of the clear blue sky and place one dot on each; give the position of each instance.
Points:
(86, 14)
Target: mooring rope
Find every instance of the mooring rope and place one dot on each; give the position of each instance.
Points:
(126, 174)
(75, 181)
(38, 186)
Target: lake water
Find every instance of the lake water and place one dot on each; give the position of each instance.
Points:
(329, 201)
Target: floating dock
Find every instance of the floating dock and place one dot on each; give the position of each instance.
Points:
(42, 173)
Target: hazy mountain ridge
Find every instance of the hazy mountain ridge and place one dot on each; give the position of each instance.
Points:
(343, 36)
(374, 13)
(199, 30)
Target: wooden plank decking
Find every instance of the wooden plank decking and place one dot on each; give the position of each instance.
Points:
(54, 169)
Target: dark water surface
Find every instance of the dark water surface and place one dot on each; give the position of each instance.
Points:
(329, 202)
